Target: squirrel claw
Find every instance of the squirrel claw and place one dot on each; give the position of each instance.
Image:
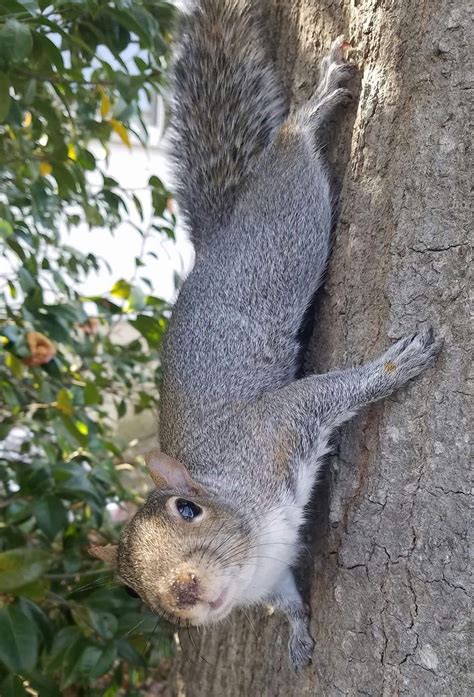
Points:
(301, 648)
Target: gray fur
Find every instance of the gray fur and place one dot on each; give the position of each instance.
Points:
(231, 408)
(228, 107)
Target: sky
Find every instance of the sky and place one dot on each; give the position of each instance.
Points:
(132, 168)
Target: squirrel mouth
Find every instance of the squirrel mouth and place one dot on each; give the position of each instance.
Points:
(219, 601)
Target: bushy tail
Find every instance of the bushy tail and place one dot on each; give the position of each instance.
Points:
(228, 104)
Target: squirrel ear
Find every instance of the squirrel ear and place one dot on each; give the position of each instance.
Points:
(168, 473)
(107, 553)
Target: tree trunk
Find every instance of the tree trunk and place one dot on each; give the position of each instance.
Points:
(389, 575)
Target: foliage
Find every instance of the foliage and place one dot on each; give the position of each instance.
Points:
(73, 74)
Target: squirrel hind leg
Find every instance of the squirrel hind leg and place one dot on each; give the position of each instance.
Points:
(287, 599)
(332, 91)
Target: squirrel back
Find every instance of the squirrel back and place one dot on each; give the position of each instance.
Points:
(228, 107)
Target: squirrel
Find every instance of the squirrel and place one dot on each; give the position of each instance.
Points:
(242, 437)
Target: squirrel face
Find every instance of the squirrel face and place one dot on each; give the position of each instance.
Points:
(184, 553)
(181, 556)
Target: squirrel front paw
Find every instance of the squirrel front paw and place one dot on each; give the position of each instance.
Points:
(332, 91)
(410, 356)
(301, 648)
(336, 71)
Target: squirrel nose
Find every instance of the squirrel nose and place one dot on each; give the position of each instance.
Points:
(186, 590)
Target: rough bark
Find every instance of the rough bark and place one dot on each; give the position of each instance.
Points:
(389, 576)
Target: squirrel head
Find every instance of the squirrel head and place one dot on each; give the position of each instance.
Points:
(184, 553)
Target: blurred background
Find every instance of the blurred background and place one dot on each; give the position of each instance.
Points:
(91, 259)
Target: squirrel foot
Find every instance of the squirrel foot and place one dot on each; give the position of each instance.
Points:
(410, 356)
(301, 646)
(332, 91)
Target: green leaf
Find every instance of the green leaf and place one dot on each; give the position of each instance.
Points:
(39, 618)
(92, 394)
(29, 92)
(5, 227)
(121, 289)
(150, 328)
(64, 402)
(18, 640)
(21, 566)
(159, 200)
(16, 41)
(104, 623)
(68, 648)
(129, 652)
(105, 661)
(50, 515)
(27, 281)
(50, 50)
(155, 182)
(15, 365)
(89, 659)
(64, 639)
(44, 685)
(137, 299)
(12, 686)
(4, 97)
(36, 590)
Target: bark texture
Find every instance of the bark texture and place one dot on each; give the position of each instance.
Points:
(389, 570)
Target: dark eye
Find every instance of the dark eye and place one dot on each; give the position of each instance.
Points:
(187, 509)
(131, 592)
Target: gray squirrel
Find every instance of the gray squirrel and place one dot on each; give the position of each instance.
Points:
(242, 437)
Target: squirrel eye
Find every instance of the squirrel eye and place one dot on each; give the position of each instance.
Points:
(187, 509)
(131, 592)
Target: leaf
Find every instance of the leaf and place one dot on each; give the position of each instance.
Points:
(45, 168)
(81, 427)
(35, 590)
(92, 394)
(64, 402)
(16, 41)
(15, 365)
(21, 566)
(89, 659)
(127, 651)
(104, 623)
(121, 289)
(50, 515)
(27, 281)
(18, 640)
(105, 662)
(138, 205)
(42, 622)
(71, 152)
(4, 96)
(44, 685)
(137, 300)
(27, 120)
(159, 200)
(71, 427)
(50, 50)
(121, 131)
(64, 639)
(68, 647)
(104, 103)
(5, 227)
(12, 686)
(150, 328)
(155, 182)
(29, 95)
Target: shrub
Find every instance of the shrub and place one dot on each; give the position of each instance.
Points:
(65, 627)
